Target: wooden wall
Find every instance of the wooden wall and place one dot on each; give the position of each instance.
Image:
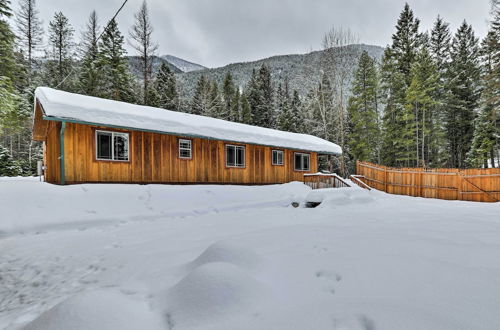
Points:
(154, 159)
(480, 185)
(51, 153)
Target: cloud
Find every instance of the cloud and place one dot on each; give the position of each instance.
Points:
(218, 32)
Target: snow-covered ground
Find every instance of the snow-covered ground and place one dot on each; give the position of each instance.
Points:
(230, 257)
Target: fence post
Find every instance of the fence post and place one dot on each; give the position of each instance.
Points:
(385, 178)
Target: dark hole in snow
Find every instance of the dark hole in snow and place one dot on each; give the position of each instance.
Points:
(312, 204)
(295, 204)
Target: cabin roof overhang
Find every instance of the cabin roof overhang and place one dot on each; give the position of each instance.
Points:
(76, 121)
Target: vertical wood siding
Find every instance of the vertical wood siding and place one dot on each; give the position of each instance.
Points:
(153, 158)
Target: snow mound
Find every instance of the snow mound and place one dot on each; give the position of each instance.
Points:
(333, 197)
(102, 310)
(230, 252)
(212, 291)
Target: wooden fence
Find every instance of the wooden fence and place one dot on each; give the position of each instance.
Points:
(480, 185)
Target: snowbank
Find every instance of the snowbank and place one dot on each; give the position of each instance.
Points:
(29, 205)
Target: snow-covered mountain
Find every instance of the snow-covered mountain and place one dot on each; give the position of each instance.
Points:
(303, 70)
(181, 64)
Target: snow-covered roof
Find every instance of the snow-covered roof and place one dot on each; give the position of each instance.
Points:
(64, 106)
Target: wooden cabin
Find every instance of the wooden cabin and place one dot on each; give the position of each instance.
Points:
(93, 140)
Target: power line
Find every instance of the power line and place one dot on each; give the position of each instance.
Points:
(97, 40)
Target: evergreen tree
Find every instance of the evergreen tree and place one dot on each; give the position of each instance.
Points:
(90, 77)
(230, 98)
(323, 110)
(485, 143)
(364, 137)
(284, 120)
(30, 31)
(142, 42)
(440, 52)
(60, 56)
(206, 100)
(246, 111)
(8, 166)
(261, 97)
(165, 89)
(296, 121)
(5, 8)
(421, 106)
(396, 77)
(464, 94)
(117, 79)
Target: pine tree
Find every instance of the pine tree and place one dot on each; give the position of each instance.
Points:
(261, 97)
(117, 80)
(60, 56)
(322, 110)
(90, 77)
(440, 52)
(421, 104)
(246, 111)
(283, 106)
(206, 100)
(230, 99)
(5, 8)
(296, 109)
(30, 30)
(364, 137)
(464, 94)
(396, 77)
(485, 143)
(8, 166)
(142, 42)
(165, 89)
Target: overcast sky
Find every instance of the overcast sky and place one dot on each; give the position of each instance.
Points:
(218, 32)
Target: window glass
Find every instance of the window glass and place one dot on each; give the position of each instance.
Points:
(104, 145)
(185, 148)
(235, 156)
(277, 157)
(112, 146)
(302, 161)
(230, 156)
(121, 146)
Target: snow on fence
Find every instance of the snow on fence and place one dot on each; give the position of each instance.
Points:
(480, 185)
(323, 180)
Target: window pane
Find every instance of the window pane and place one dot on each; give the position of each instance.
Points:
(104, 145)
(185, 144)
(240, 157)
(121, 146)
(230, 156)
(305, 162)
(275, 157)
(279, 156)
(185, 153)
(298, 162)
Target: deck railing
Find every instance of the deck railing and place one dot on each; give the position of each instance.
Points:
(323, 180)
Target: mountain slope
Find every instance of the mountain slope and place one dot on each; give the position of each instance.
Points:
(181, 64)
(303, 70)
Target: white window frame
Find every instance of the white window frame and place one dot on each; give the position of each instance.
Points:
(113, 134)
(301, 169)
(190, 149)
(278, 152)
(236, 147)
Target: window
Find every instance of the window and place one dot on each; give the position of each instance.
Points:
(302, 161)
(277, 157)
(235, 156)
(185, 147)
(112, 146)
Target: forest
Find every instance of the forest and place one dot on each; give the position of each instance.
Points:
(431, 101)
